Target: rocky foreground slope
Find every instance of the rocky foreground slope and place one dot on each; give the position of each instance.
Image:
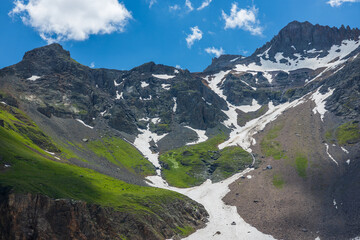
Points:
(293, 104)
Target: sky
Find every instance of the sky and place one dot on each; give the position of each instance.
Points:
(181, 33)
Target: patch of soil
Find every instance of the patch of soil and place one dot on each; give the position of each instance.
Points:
(303, 207)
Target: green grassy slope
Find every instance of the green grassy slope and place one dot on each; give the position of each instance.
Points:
(34, 170)
(192, 165)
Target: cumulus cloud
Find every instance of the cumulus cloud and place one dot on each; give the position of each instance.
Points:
(216, 52)
(196, 35)
(188, 4)
(245, 19)
(337, 3)
(204, 4)
(61, 20)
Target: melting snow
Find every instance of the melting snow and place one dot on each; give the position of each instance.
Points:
(142, 143)
(319, 100)
(144, 84)
(175, 105)
(336, 52)
(166, 86)
(334, 202)
(33, 78)
(250, 108)
(155, 120)
(116, 84)
(327, 151)
(346, 151)
(119, 96)
(51, 153)
(163, 76)
(221, 216)
(80, 121)
(103, 113)
(201, 136)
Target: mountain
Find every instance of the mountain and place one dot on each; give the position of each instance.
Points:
(101, 136)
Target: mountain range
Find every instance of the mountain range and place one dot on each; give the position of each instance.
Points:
(107, 154)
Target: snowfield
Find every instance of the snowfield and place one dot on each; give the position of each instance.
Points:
(163, 76)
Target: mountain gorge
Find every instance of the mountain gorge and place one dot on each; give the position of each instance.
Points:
(134, 154)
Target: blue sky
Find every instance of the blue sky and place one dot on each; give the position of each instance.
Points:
(125, 34)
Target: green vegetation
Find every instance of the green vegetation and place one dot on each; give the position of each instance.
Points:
(186, 231)
(301, 164)
(348, 133)
(122, 154)
(270, 147)
(31, 170)
(192, 165)
(278, 181)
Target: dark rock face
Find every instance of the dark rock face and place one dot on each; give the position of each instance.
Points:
(39, 217)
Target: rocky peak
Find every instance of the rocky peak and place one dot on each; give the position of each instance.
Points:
(298, 37)
(48, 52)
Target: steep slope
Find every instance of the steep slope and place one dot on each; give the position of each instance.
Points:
(27, 166)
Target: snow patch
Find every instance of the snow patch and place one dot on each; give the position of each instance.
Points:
(142, 143)
(201, 136)
(345, 151)
(4, 103)
(221, 216)
(155, 120)
(250, 108)
(233, 60)
(249, 177)
(144, 84)
(334, 202)
(175, 105)
(103, 113)
(119, 96)
(145, 99)
(319, 100)
(116, 84)
(206, 101)
(327, 151)
(51, 153)
(82, 122)
(176, 71)
(348, 161)
(34, 78)
(163, 76)
(166, 86)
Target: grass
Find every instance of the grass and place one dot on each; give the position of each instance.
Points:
(192, 165)
(301, 164)
(270, 147)
(186, 231)
(278, 181)
(122, 154)
(348, 133)
(32, 170)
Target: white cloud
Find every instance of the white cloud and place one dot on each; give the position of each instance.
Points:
(216, 52)
(204, 4)
(174, 8)
(178, 66)
(189, 5)
(152, 2)
(92, 65)
(61, 20)
(337, 3)
(245, 19)
(195, 35)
